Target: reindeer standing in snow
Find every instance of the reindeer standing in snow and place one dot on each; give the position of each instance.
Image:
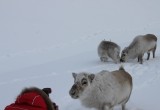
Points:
(140, 45)
(108, 49)
(103, 90)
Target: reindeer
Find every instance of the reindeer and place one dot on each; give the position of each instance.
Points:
(108, 49)
(140, 45)
(103, 90)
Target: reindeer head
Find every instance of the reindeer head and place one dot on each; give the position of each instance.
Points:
(124, 55)
(81, 81)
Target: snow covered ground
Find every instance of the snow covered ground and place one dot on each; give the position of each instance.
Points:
(43, 42)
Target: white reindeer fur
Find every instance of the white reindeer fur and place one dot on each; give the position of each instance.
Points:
(108, 49)
(139, 46)
(106, 90)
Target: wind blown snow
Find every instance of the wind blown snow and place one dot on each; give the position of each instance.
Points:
(43, 42)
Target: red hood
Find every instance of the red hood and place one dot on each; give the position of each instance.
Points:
(31, 99)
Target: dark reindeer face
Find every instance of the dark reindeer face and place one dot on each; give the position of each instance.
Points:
(81, 81)
(124, 55)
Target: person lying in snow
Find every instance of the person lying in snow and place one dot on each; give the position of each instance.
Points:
(33, 99)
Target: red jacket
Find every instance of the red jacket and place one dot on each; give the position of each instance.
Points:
(32, 99)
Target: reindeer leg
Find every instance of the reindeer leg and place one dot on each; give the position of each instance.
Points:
(115, 58)
(154, 54)
(138, 58)
(123, 106)
(154, 51)
(101, 58)
(107, 107)
(148, 55)
(104, 58)
(141, 58)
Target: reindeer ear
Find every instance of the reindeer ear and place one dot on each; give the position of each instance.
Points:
(91, 77)
(74, 75)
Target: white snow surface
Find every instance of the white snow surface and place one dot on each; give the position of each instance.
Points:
(43, 41)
